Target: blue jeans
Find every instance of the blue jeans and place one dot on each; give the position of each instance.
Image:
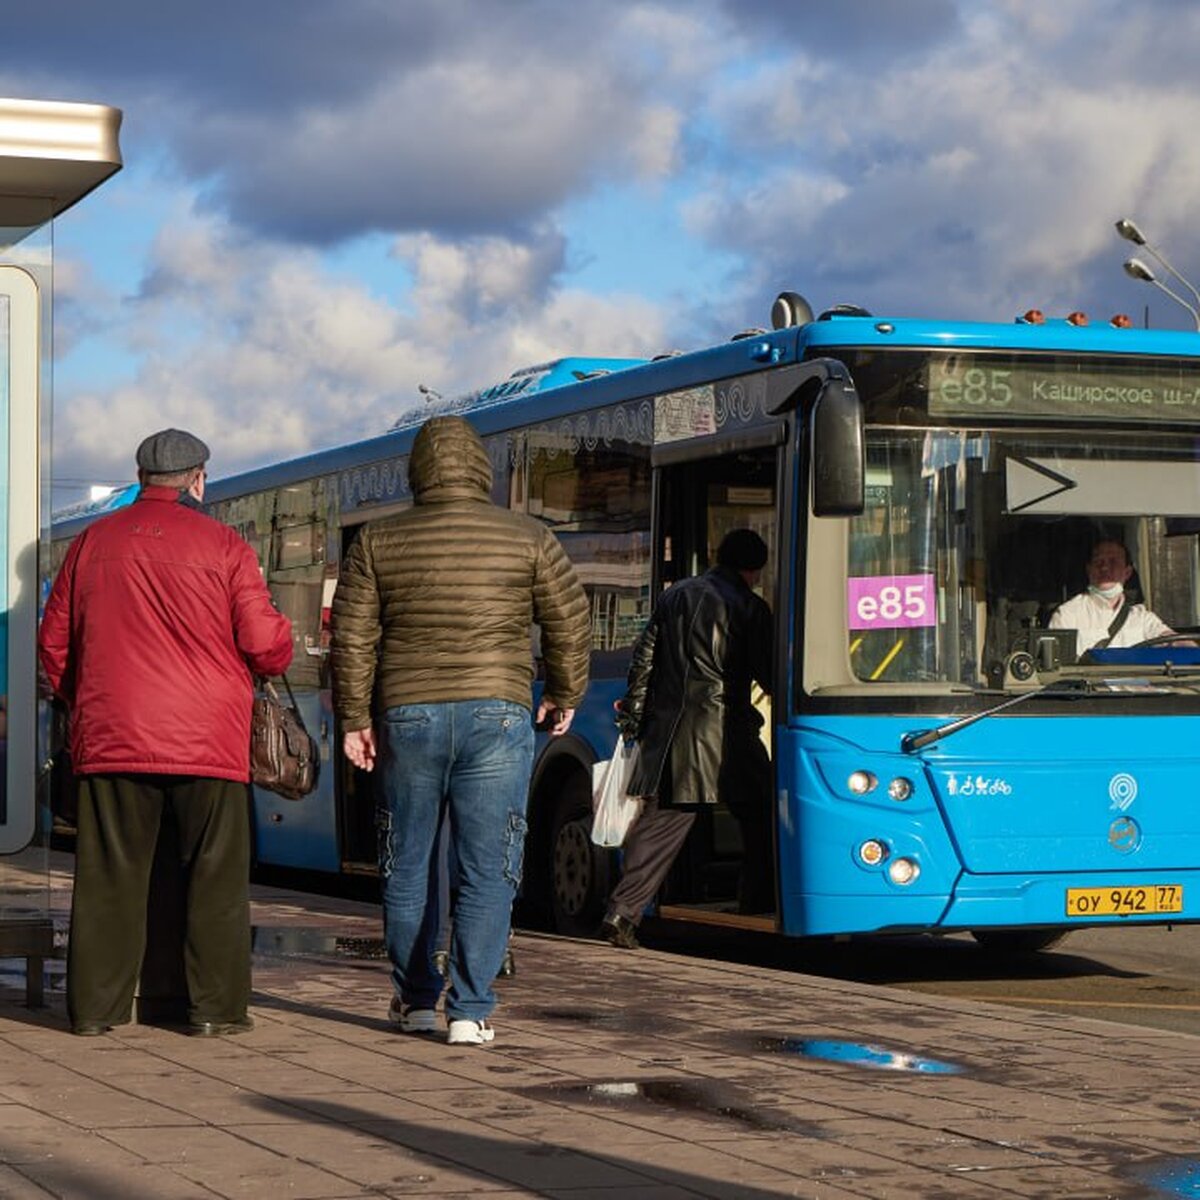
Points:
(471, 759)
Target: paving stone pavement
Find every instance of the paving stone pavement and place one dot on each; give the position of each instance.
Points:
(615, 1074)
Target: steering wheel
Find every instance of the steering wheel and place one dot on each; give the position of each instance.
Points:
(1167, 639)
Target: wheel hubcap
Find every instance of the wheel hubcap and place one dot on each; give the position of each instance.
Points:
(573, 867)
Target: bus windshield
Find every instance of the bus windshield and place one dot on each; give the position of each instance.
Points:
(971, 539)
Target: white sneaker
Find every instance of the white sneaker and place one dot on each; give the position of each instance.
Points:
(411, 1020)
(465, 1032)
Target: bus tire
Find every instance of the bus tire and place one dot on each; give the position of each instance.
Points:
(1018, 941)
(579, 873)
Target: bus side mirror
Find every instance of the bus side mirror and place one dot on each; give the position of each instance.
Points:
(824, 387)
(838, 458)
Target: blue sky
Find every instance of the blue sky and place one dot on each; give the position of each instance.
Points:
(325, 205)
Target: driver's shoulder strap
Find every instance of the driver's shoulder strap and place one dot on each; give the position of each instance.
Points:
(1115, 626)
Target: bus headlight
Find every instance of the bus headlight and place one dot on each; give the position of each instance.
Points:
(900, 788)
(904, 870)
(862, 782)
(872, 852)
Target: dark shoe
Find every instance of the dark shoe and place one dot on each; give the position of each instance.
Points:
(220, 1028)
(89, 1028)
(620, 932)
(410, 1019)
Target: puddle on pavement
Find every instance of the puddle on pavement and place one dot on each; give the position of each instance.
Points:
(1170, 1176)
(861, 1054)
(298, 942)
(717, 1101)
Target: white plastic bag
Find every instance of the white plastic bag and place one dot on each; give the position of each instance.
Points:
(614, 810)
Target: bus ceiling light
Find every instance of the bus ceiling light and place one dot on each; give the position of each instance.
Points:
(1077, 318)
(900, 788)
(862, 782)
(1034, 316)
(872, 852)
(903, 871)
(1121, 321)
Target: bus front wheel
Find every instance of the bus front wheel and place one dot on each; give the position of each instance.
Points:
(1018, 941)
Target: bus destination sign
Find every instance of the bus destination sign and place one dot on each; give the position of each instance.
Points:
(976, 385)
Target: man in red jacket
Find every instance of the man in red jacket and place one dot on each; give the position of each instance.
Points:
(158, 619)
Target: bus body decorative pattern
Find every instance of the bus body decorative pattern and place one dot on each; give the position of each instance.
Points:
(377, 483)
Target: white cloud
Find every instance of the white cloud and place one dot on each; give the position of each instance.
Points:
(482, 276)
(930, 158)
(270, 356)
(981, 179)
(654, 146)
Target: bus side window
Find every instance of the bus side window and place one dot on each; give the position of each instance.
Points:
(596, 500)
(296, 576)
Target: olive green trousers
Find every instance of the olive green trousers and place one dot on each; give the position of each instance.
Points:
(118, 829)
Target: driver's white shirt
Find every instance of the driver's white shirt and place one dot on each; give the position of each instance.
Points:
(1090, 616)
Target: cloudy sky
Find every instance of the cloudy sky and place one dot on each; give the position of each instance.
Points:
(325, 205)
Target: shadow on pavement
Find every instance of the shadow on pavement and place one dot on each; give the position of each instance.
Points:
(884, 959)
(539, 1166)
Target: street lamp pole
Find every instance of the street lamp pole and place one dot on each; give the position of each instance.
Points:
(1137, 269)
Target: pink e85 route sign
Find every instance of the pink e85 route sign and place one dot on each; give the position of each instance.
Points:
(892, 602)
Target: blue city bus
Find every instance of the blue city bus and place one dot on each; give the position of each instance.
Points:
(929, 491)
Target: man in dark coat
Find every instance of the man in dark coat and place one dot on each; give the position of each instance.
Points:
(688, 706)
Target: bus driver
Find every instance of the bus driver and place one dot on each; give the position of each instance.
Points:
(1103, 615)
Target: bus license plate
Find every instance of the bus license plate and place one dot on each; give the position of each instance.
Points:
(1144, 900)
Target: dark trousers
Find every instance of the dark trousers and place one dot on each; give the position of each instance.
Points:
(651, 845)
(747, 792)
(118, 828)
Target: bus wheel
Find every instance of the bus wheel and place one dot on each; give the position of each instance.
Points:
(1019, 941)
(580, 871)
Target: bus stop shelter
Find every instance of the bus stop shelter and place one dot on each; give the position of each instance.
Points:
(52, 154)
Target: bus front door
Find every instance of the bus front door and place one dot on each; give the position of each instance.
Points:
(698, 499)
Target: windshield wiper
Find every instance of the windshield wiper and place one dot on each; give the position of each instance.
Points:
(912, 742)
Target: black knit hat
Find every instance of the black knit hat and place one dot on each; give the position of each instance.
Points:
(742, 550)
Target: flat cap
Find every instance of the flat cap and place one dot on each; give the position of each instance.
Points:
(171, 450)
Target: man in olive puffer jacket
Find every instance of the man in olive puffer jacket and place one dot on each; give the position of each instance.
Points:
(432, 619)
